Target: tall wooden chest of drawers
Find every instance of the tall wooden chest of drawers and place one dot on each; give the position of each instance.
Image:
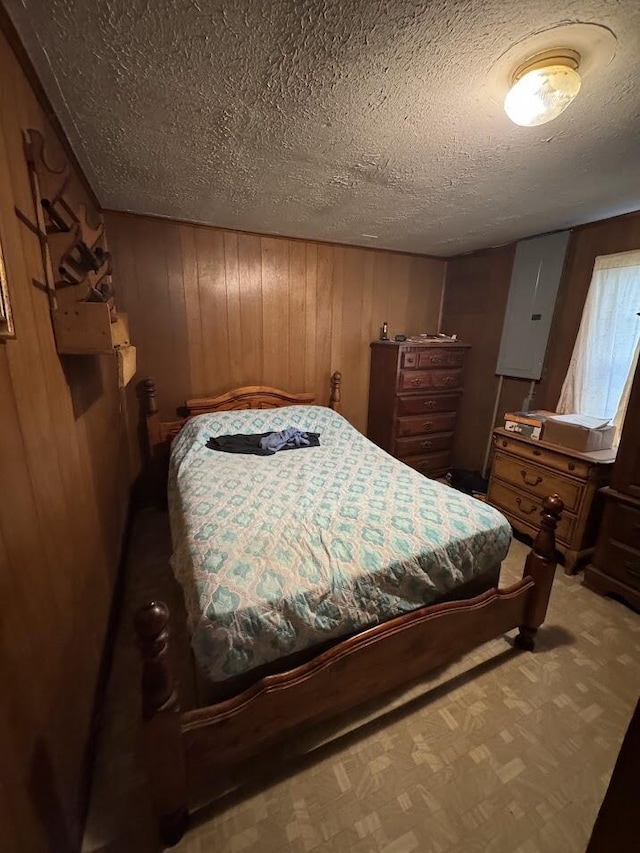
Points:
(525, 471)
(414, 391)
(616, 562)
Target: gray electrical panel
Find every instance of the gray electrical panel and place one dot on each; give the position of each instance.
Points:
(537, 269)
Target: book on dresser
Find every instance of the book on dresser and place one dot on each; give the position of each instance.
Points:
(414, 391)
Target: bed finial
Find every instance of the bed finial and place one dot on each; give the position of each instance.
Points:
(162, 740)
(152, 629)
(149, 393)
(335, 401)
(541, 566)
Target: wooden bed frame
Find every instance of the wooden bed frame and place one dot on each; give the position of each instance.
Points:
(158, 435)
(185, 751)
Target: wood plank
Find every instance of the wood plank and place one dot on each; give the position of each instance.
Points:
(297, 315)
(180, 371)
(234, 318)
(336, 313)
(366, 320)
(250, 279)
(192, 309)
(157, 321)
(311, 319)
(324, 311)
(399, 268)
(275, 311)
(381, 295)
(352, 353)
(212, 289)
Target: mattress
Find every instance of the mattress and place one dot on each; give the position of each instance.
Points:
(276, 554)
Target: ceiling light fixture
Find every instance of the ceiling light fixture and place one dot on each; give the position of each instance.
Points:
(543, 87)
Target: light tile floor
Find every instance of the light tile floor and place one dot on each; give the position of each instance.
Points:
(503, 751)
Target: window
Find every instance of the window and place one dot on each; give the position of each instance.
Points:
(608, 340)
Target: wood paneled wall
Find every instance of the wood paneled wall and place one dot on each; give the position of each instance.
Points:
(211, 309)
(474, 306)
(476, 292)
(64, 481)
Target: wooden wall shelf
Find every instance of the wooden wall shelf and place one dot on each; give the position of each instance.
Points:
(77, 265)
(85, 328)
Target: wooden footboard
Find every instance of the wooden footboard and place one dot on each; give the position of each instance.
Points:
(183, 751)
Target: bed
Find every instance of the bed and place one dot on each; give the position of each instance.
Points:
(307, 577)
(278, 554)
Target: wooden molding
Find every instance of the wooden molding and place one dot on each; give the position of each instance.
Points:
(211, 226)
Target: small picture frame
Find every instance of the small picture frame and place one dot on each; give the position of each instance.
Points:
(6, 319)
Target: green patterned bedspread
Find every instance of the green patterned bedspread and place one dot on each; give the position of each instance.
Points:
(279, 553)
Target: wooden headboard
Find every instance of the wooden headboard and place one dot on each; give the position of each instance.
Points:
(159, 434)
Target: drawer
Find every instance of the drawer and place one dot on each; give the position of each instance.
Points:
(576, 467)
(430, 463)
(415, 380)
(620, 562)
(432, 357)
(419, 405)
(410, 446)
(538, 481)
(423, 425)
(527, 508)
(441, 358)
(624, 524)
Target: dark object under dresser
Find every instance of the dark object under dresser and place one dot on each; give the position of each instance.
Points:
(414, 392)
(616, 563)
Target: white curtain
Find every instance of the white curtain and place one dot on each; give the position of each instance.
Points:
(607, 341)
(618, 420)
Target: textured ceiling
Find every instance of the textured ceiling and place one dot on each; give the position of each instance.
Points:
(336, 120)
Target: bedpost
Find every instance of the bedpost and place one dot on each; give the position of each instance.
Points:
(162, 739)
(150, 411)
(541, 566)
(335, 400)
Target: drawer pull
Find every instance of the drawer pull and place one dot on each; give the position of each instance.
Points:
(535, 482)
(526, 511)
(426, 443)
(505, 443)
(571, 466)
(416, 381)
(537, 453)
(632, 568)
(448, 380)
(438, 359)
(430, 404)
(429, 425)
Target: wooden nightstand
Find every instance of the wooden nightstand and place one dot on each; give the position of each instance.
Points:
(525, 471)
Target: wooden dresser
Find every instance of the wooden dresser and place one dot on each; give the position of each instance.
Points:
(414, 391)
(616, 563)
(525, 471)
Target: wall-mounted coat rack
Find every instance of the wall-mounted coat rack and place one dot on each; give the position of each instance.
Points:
(77, 265)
